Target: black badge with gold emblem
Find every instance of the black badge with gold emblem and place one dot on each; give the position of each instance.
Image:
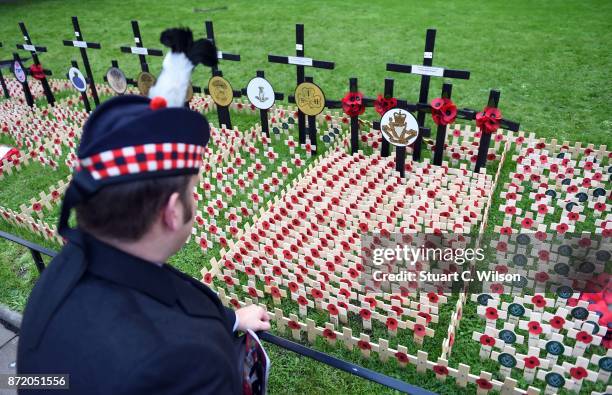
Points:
(309, 98)
(220, 91)
(145, 81)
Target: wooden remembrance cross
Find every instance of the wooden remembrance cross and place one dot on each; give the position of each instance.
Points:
(28, 46)
(222, 111)
(426, 71)
(83, 45)
(300, 62)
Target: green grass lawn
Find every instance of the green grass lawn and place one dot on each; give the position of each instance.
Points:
(550, 60)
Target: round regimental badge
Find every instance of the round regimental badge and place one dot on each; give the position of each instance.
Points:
(20, 74)
(116, 80)
(399, 127)
(145, 81)
(260, 93)
(310, 98)
(77, 79)
(220, 91)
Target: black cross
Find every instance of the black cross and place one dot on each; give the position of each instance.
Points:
(426, 71)
(140, 49)
(33, 49)
(400, 152)
(367, 102)
(83, 45)
(485, 138)
(300, 62)
(447, 89)
(84, 93)
(222, 111)
(3, 83)
(263, 114)
(26, 88)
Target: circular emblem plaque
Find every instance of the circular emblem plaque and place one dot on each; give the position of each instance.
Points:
(20, 74)
(482, 299)
(565, 292)
(516, 310)
(116, 80)
(554, 379)
(77, 79)
(507, 336)
(523, 239)
(399, 127)
(580, 313)
(555, 348)
(145, 81)
(506, 360)
(260, 93)
(220, 91)
(605, 363)
(310, 98)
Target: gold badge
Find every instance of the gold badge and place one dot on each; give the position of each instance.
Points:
(220, 91)
(309, 98)
(116, 80)
(399, 127)
(145, 81)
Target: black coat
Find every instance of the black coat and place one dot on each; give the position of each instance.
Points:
(121, 325)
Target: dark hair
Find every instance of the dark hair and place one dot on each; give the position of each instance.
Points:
(127, 211)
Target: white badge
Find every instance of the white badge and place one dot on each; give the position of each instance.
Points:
(399, 127)
(260, 93)
(19, 72)
(77, 79)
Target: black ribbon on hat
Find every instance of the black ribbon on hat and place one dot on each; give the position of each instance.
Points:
(81, 188)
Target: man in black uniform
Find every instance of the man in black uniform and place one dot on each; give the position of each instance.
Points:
(108, 310)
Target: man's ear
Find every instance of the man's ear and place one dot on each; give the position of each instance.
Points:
(171, 213)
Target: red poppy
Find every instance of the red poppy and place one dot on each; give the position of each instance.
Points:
(235, 303)
(36, 206)
(487, 340)
(352, 104)
(391, 324)
(440, 370)
(332, 309)
(36, 70)
(228, 280)
(419, 330)
(578, 372)
(372, 301)
(541, 277)
(539, 301)
(401, 357)
(253, 292)
(329, 334)
(562, 228)
(443, 111)
(364, 345)
(293, 287)
(491, 313)
(584, 337)
(302, 300)
(293, 325)
(557, 322)
(425, 315)
(488, 119)
(208, 278)
(527, 223)
(398, 310)
(484, 384)
(534, 327)
(531, 362)
(275, 292)
(382, 104)
(433, 298)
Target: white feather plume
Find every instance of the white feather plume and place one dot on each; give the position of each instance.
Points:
(174, 79)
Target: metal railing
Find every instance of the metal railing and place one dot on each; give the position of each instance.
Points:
(38, 251)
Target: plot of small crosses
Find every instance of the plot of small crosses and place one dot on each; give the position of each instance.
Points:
(543, 336)
(305, 247)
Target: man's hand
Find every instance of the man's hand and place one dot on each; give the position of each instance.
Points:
(253, 317)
